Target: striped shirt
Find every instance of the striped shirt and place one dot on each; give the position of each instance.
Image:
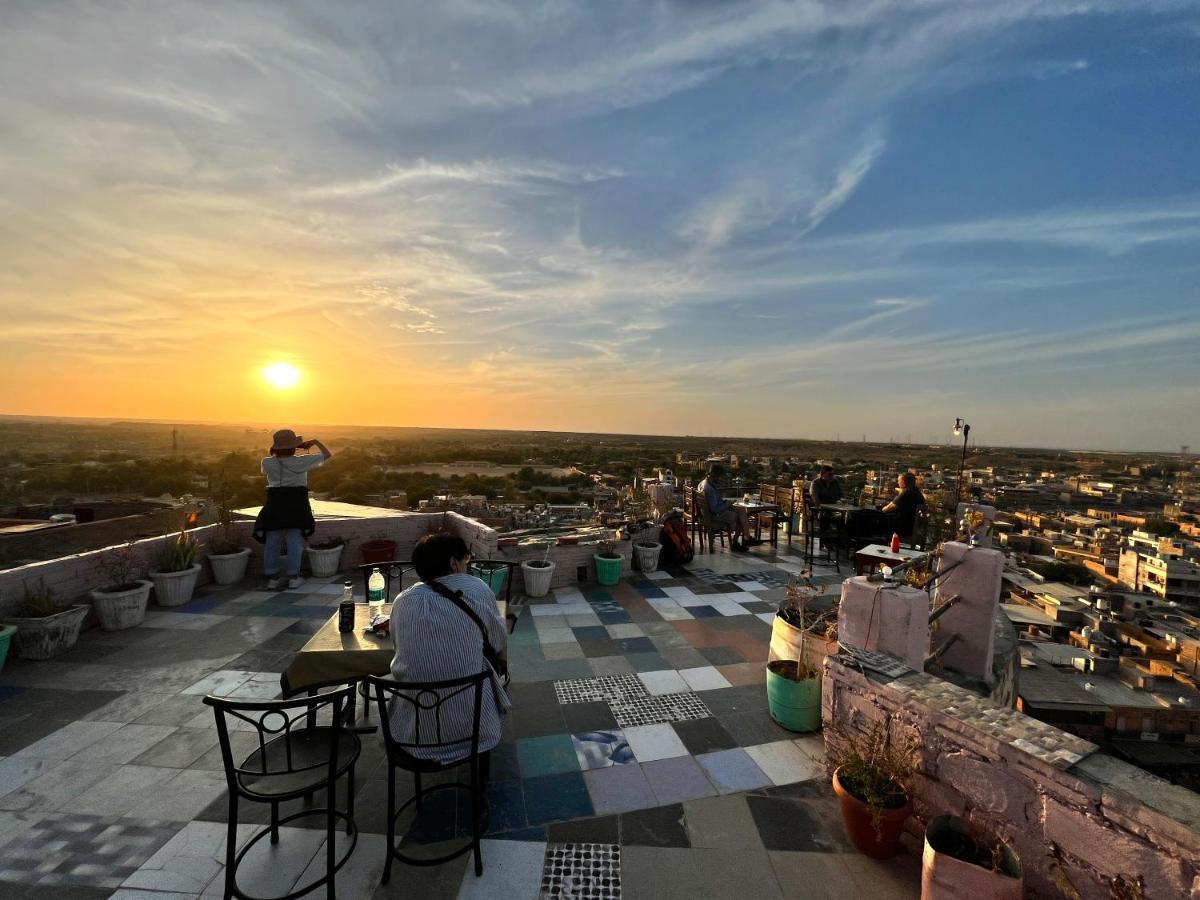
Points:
(437, 641)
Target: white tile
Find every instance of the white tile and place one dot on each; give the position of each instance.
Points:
(68, 740)
(753, 586)
(549, 620)
(624, 630)
(260, 686)
(181, 798)
(220, 683)
(556, 636)
(56, 787)
(677, 591)
(361, 874)
(740, 597)
(693, 600)
(121, 791)
(177, 621)
(16, 824)
(269, 870)
(665, 681)
(582, 620)
(704, 678)
(659, 576)
(768, 617)
(17, 771)
(783, 762)
(728, 607)
(673, 614)
(651, 742)
(135, 894)
(511, 869)
(812, 746)
(124, 744)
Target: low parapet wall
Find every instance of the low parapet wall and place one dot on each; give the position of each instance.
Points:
(1080, 820)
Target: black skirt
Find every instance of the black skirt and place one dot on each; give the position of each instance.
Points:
(286, 507)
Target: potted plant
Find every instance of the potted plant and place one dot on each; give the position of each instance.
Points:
(378, 549)
(325, 556)
(871, 777)
(121, 602)
(801, 638)
(490, 572)
(227, 557)
(43, 630)
(645, 554)
(962, 860)
(175, 578)
(538, 573)
(608, 564)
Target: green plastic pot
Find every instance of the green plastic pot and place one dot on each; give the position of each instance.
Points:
(796, 705)
(6, 634)
(493, 575)
(608, 569)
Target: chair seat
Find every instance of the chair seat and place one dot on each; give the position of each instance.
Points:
(309, 762)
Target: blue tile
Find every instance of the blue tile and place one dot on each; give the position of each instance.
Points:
(619, 617)
(619, 789)
(8, 692)
(703, 612)
(732, 770)
(591, 633)
(506, 805)
(536, 834)
(636, 645)
(304, 626)
(553, 798)
(198, 606)
(547, 755)
(651, 592)
(598, 595)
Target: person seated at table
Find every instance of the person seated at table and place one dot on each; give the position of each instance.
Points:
(825, 488)
(724, 514)
(903, 509)
(436, 640)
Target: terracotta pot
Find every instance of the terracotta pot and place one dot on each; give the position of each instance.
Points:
(380, 551)
(946, 877)
(860, 827)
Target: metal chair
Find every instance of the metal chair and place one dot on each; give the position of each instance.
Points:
(823, 527)
(920, 531)
(705, 524)
(427, 700)
(294, 758)
(397, 570)
(867, 526)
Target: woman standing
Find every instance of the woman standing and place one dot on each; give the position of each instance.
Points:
(287, 516)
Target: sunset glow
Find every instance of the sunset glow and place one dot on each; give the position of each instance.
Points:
(281, 375)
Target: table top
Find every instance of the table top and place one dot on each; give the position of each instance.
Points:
(755, 504)
(883, 552)
(841, 507)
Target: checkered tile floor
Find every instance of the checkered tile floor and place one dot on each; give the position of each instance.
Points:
(639, 750)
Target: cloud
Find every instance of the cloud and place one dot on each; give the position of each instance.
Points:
(845, 182)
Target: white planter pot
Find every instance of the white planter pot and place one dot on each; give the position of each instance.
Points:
(46, 638)
(537, 578)
(646, 556)
(324, 563)
(118, 610)
(229, 568)
(174, 588)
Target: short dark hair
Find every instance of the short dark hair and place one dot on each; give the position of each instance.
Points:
(826, 468)
(716, 470)
(433, 553)
(909, 479)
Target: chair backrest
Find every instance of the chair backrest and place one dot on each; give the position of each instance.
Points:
(768, 493)
(870, 525)
(395, 572)
(280, 723)
(428, 703)
(689, 502)
(920, 530)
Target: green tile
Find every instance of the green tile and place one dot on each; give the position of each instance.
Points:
(547, 755)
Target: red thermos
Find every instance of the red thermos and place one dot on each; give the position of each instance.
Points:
(895, 546)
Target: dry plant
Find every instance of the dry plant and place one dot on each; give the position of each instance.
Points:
(796, 612)
(875, 768)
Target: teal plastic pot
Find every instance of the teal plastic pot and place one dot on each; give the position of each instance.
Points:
(608, 569)
(6, 634)
(493, 575)
(796, 705)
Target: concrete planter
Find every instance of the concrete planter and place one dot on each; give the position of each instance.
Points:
(646, 555)
(229, 568)
(325, 561)
(174, 588)
(537, 577)
(118, 610)
(47, 637)
(945, 876)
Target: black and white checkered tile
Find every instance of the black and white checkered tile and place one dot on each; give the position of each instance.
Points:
(582, 872)
(610, 688)
(657, 710)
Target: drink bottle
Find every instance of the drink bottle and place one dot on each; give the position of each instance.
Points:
(895, 546)
(346, 608)
(375, 591)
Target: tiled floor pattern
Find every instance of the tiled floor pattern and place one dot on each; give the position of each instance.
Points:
(639, 759)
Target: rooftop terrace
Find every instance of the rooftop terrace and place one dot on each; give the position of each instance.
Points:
(111, 781)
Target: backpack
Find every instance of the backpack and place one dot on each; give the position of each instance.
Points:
(676, 545)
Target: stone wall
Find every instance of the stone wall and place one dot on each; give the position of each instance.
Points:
(51, 543)
(1080, 820)
(72, 576)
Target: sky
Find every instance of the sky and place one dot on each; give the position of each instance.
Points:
(778, 219)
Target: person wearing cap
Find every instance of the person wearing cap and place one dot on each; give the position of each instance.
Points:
(286, 517)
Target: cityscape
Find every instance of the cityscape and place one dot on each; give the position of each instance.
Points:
(640, 450)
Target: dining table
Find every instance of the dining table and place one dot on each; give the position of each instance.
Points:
(757, 508)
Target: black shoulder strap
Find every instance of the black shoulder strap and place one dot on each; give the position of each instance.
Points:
(489, 652)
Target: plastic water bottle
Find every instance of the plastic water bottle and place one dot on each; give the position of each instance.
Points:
(375, 592)
(346, 609)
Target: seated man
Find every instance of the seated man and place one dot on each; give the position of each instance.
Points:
(903, 509)
(437, 641)
(825, 488)
(723, 513)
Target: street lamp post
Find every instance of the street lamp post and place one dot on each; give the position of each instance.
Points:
(961, 427)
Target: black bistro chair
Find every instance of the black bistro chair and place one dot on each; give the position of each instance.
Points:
(294, 758)
(825, 527)
(428, 702)
(395, 572)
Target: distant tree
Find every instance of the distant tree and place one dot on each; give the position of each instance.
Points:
(1069, 573)
(1160, 527)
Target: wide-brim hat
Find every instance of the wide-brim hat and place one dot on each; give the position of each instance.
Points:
(286, 439)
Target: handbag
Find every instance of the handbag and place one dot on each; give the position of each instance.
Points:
(498, 663)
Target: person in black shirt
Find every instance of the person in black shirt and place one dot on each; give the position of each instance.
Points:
(825, 488)
(903, 509)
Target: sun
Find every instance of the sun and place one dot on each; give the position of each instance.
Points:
(281, 375)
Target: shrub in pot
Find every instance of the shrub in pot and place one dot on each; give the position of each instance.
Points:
(871, 777)
(175, 577)
(962, 860)
(121, 602)
(227, 557)
(538, 573)
(43, 629)
(325, 556)
(801, 637)
(608, 564)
